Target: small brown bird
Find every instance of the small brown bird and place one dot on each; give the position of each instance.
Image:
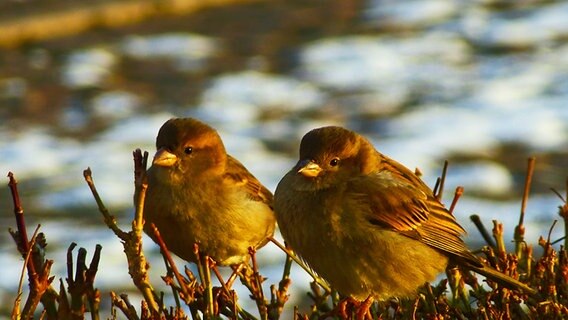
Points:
(364, 222)
(197, 193)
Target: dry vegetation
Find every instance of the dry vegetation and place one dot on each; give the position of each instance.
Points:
(77, 298)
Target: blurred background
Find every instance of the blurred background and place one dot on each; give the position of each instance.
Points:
(482, 84)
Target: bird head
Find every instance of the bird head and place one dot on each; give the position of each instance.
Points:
(331, 155)
(188, 147)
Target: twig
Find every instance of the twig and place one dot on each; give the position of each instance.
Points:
(170, 260)
(258, 294)
(93, 295)
(40, 282)
(481, 228)
(64, 306)
(279, 296)
(563, 212)
(436, 186)
(550, 230)
(520, 228)
(498, 235)
(205, 276)
(140, 187)
(22, 239)
(231, 294)
(298, 261)
(528, 261)
(76, 282)
(564, 238)
(457, 196)
(440, 190)
(16, 309)
(81, 285)
(132, 241)
(110, 220)
(124, 305)
(19, 213)
(213, 265)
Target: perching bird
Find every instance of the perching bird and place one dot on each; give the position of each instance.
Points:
(197, 193)
(364, 222)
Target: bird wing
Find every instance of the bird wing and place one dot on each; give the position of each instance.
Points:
(238, 174)
(398, 200)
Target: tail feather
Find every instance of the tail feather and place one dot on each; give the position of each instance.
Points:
(501, 278)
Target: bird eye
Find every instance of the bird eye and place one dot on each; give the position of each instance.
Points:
(334, 162)
(188, 150)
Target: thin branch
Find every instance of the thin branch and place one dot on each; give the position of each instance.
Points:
(38, 267)
(520, 228)
(205, 276)
(132, 241)
(482, 230)
(440, 190)
(22, 241)
(258, 294)
(306, 268)
(457, 196)
(16, 309)
(528, 180)
(170, 260)
(563, 212)
(110, 220)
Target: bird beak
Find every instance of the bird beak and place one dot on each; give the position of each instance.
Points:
(308, 168)
(164, 158)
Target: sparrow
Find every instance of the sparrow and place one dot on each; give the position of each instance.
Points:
(198, 194)
(364, 222)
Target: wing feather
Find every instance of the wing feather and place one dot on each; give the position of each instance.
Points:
(399, 200)
(238, 174)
